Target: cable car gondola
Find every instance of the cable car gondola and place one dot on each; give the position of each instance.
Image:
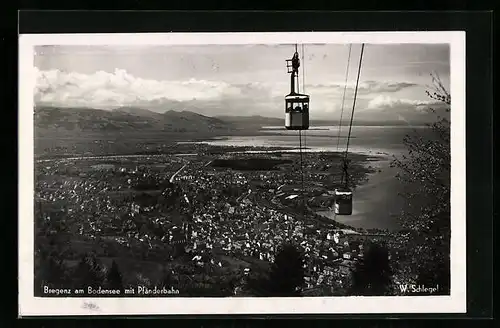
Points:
(296, 104)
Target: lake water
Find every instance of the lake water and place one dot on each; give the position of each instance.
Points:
(376, 204)
(367, 140)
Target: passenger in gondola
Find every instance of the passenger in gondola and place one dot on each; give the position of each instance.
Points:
(298, 109)
(295, 61)
(306, 108)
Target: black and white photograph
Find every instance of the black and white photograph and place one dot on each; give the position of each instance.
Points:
(227, 173)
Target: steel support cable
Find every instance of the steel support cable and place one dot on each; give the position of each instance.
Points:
(301, 167)
(304, 89)
(300, 138)
(344, 175)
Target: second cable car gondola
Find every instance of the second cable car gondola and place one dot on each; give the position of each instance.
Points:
(296, 104)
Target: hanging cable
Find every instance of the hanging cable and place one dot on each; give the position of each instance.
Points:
(344, 175)
(300, 138)
(301, 165)
(354, 101)
(303, 91)
(343, 97)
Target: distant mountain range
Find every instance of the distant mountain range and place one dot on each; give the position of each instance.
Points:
(138, 119)
(125, 119)
(252, 121)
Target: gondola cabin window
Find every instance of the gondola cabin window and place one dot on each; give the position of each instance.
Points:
(343, 202)
(297, 112)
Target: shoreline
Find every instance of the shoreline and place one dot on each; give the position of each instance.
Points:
(66, 144)
(236, 150)
(163, 144)
(373, 207)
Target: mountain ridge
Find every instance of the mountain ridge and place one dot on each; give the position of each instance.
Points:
(129, 118)
(124, 119)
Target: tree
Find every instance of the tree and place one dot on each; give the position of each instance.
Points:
(50, 272)
(287, 272)
(425, 173)
(435, 274)
(372, 275)
(88, 273)
(114, 277)
(257, 283)
(166, 278)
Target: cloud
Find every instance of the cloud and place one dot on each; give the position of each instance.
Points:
(378, 87)
(383, 102)
(107, 90)
(385, 108)
(364, 87)
(103, 89)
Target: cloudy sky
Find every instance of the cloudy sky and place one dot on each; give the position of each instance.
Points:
(240, 79)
